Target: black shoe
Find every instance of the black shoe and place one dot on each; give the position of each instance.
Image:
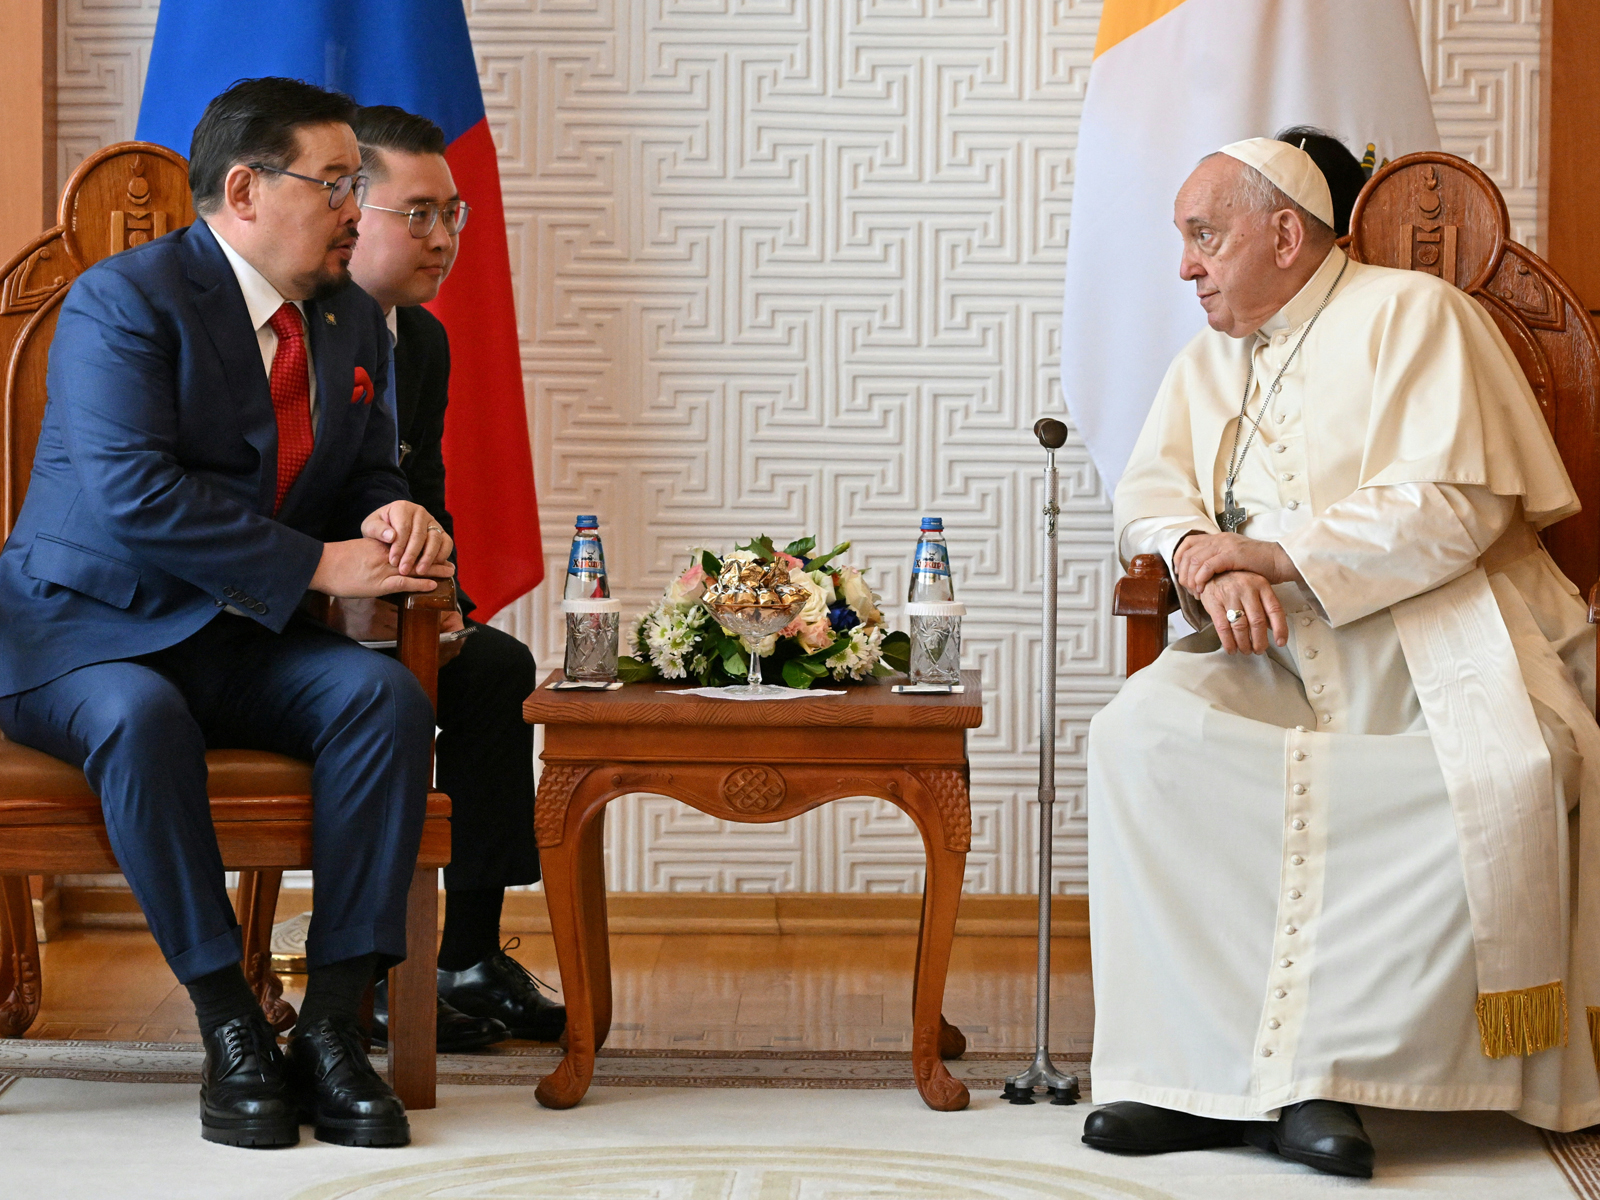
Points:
(1128, 1127)
(244, 1099)
(501, 987)
(337, 1089)
(457, 1033)
(1324, 1134)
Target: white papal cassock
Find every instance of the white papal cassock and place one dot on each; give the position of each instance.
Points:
(1306, 868)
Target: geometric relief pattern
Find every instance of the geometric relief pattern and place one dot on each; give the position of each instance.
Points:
(793, 266)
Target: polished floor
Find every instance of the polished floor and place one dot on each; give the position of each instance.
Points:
(672, 991)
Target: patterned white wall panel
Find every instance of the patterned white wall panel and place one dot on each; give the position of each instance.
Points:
(794, 266)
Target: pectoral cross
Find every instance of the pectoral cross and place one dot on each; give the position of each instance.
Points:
(1233, 515)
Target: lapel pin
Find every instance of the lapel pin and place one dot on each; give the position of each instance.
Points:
(330, 318)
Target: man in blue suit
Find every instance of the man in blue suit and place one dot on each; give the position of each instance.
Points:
(210, 451)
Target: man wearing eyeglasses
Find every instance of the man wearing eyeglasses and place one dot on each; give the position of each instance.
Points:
(409, 236)
(213, 446)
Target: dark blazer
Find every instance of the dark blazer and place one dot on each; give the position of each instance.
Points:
(150, 503)
(422, 393)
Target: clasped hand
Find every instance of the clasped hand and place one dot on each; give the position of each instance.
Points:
(401, 549)
(1234, 574)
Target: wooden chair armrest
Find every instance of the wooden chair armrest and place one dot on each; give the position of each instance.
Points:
(417, 640)
(1147, 596)
(1146, 590)
(1594, 604)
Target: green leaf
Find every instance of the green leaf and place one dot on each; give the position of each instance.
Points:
(631, 670)
(761, 547)
(734, 660)
(710, 564)
(800, 547)
(818, 563)
(883, 669)
(897, 651)
(796, 675)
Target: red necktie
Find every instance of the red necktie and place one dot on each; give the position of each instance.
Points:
(291, 398)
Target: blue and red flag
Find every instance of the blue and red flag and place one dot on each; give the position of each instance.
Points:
(415, 54)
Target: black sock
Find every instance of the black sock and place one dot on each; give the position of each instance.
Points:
(471, 927)
(335, 990)
(222, 996)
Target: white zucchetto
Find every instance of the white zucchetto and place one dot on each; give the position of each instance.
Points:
(1291, 171)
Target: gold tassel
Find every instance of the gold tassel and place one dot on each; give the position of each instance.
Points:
(1525, 1021)
(1594, 1035)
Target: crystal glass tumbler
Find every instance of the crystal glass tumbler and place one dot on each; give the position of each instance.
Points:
(592, 628)
(936, 640)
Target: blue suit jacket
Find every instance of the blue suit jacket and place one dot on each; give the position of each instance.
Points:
(150, 504)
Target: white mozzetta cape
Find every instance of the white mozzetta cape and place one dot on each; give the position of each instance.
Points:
(1411, 426)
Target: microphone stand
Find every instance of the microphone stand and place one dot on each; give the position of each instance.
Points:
(1019, 1089)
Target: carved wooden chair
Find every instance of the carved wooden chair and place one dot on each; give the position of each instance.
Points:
(50, 821)
(1438, 213)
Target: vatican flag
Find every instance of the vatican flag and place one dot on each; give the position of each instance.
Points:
(1172, 81)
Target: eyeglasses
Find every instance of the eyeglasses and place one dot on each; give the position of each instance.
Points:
(338, 189)
(421, 220)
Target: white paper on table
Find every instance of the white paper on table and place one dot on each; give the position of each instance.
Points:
(726, 694)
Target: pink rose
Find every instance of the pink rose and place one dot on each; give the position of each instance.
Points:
(792, 629)
(789, 561)
(816, 635)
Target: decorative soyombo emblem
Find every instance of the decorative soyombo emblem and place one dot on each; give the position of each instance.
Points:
(140, 223)
(752, 790)
(1429, 246)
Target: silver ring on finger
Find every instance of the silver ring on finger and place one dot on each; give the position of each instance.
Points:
(434, 529)
(1235, 616)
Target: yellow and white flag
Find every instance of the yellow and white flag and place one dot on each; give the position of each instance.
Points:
(1172, 81)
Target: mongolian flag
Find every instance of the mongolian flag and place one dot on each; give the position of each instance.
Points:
(1172, 81)
(415, 54)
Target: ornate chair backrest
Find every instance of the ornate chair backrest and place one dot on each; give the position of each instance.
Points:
(1438, 213)
(118, 198)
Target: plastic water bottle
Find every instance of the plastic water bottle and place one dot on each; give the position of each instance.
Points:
(930, 568)
(586, 563)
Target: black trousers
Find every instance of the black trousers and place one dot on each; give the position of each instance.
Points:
(485, 762)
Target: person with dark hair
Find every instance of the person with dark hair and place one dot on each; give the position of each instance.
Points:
(1339, 167)
(485, 748)
(210, 451)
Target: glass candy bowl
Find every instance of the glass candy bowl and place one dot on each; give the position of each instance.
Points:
(752, 624)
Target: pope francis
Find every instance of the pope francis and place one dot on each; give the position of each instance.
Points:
(1335, 847)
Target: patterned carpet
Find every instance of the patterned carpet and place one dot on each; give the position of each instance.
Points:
(117, 1119)
(517, 1064)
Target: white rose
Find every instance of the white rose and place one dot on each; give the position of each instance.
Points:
(859, 596)
(818, 595)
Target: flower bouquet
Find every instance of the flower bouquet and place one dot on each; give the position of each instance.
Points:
(839, 633)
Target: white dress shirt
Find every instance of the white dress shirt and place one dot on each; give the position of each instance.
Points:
(261, 300)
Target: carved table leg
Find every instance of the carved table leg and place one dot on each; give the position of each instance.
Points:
(257, 905)
(570, 911)
(413, 998)
(952, 1042)
(941, 810)
(20, 988)
(597, 932)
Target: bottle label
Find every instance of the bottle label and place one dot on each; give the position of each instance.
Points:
(585, 558)
(932, 558)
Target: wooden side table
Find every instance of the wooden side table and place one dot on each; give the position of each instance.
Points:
(755, 762)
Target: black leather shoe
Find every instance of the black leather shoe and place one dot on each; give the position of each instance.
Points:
(457, 1033)
(1128, 1127)
(501, 987)
(1324, 1134)
(339, 1092)
(244, 1099)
